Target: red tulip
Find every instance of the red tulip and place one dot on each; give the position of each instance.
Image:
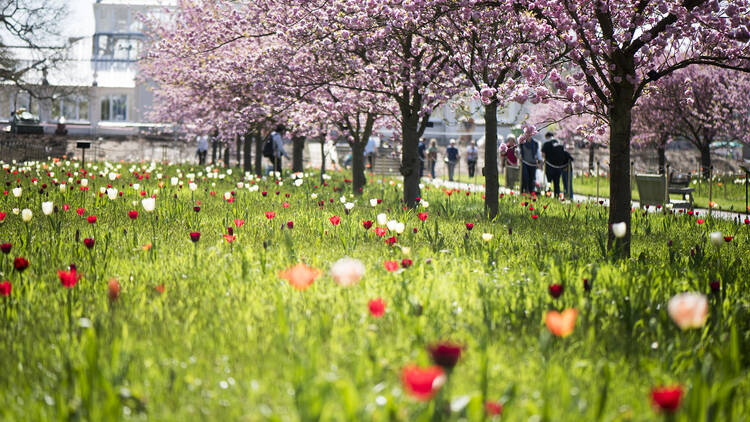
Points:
(700, 221)
(422, 383)
(728, 238)
(422, 216)
(89, 242)
(555, 290)
(586, 285)
(406, 263)
(747, 220)
(415, 230)
(229, 238)
(715, 286)
(5, 248)
(5, 288)
(379, 231)
(113, 290)
(391, 240)
(68, 278)
(133, 214)
(2, 215)
(667, 398)
(367, 224)
(377, 307)
(469, 226)
(285, 204)
(160, 288)
(493, 408)
(195, 236)
(20, 264)
(290, 224)
(238, 222)
(270, 215)
(335, 220)
(196, 208)
(391, 265)
(534, 217)
(445, 354)
(80, 211)
(91, 219)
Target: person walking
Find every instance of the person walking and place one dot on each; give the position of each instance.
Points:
(421, 150)
(508, 152)
(530, 160)
(432, 156)
(202, 149)
(557, 162)
(472, 156)
(277, 137)
(371, 149)
(451, 158)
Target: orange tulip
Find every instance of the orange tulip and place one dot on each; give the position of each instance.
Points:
(300, 276)
(561, 324)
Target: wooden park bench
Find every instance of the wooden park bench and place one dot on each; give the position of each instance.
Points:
(653, 189)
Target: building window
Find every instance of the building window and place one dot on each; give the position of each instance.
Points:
(114, 108)
(71, 107)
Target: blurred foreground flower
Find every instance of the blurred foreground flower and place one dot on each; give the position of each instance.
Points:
(493, 408)
(688, 310)
(5, 288)
(717, 239)
(20, 264)
(445, 354)
(347, 271)
(68, 278)
(422, 383)
(113, 290)
(300, 276)
(561, 324)
(619, 229)
(149, 204)
(377, 307)
(391, 265)
(667, 398)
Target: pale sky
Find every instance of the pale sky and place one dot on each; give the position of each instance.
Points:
(81, 18)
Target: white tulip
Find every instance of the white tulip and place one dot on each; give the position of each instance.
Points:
(373, 202)
(487, 237)
(136, 186)
(298, 182)
(314, 195)
(400, 227)
(17, 192)
(26, 215)
(253, 188)
(349, 205)
(717, 239)
(240, 185)
(149, 204)
(84, 182)
(619, 229)
(16, 211)
(343, 199)
(227, 195)
(47, 208)
(391, 225)
(112, 193)
(193, 186)
(102, 190)
(62, 187)
(382, 219)
(424, 203)
(174, 181)
(688, 310)
(112, 176)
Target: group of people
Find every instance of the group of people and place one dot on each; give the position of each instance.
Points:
(429, 156)
(552, 154)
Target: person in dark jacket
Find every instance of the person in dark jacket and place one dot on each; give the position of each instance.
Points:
(421, 148)
(557, 162)
(530, 160)
(451, 158)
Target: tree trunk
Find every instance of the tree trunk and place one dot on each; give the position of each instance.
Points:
(214, 151)
(359, 179)
(258, 154)
(592, 156)
(322, 159)
(410, 155)
(298, 150)
(492, 185)
(661, 150)
(238, 139)
(706, 160)
(226, 155)
(247, 159)
(620, 121)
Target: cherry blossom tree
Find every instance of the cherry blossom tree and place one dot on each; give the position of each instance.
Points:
(621, 47)
(700, 104)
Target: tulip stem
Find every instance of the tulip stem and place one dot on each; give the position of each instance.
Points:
(70, 315)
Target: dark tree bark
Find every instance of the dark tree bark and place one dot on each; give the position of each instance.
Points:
(226, 155)
(592, 156)
(214, 151)
(298, 149)
(247, 159)
(491, 201)
(359, 179)
(322, 159)
(620, 119)
(705, 150)
(661, 150)
(258, 154)
(238, 139)
(410, 131)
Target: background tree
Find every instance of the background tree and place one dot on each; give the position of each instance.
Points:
(621, 47)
